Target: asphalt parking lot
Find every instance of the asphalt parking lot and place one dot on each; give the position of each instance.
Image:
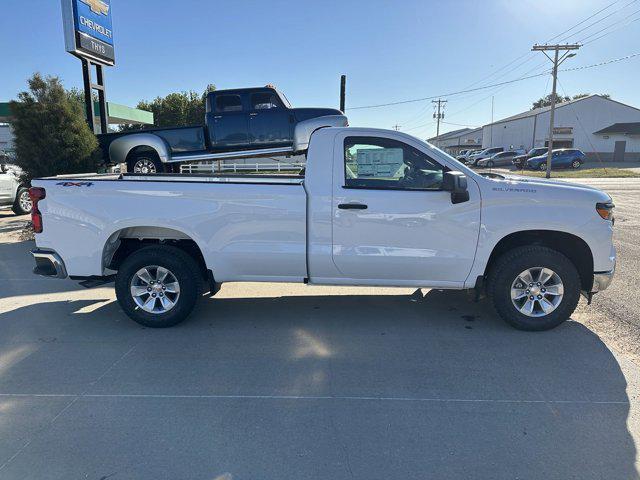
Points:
(289, 381)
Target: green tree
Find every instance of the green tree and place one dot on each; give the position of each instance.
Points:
(546, 101)
(178, 109)
(51, 133)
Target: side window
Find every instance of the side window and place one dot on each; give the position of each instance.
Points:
(228, 103)
(264, 101)
(373, 162)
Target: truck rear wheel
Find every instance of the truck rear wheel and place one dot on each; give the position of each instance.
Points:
(158, 286)
(145, 163)
(534, 288)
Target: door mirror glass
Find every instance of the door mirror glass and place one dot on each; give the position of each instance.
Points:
(456, 183)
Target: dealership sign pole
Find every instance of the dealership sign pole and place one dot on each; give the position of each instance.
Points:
(88, 35)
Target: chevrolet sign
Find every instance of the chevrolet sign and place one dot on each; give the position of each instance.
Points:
(88, 29)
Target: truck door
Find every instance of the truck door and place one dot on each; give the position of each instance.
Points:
(392, 222)
(228, 124)
(269, 121)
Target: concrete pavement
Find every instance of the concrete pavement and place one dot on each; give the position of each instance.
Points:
(290, 381)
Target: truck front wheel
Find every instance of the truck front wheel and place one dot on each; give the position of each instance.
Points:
(158, 286)
(534, 288)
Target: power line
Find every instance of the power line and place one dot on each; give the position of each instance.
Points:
(421, 114)
(446, 94)
(606, 62)
(604, 18)
(611, 31)
(585, 20)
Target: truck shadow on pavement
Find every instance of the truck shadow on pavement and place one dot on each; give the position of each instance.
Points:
(434, 384)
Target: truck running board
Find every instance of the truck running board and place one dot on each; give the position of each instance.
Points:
(263, 152)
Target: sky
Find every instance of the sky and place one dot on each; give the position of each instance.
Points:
(390, 51)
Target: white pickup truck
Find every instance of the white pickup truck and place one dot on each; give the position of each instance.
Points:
(374, 207)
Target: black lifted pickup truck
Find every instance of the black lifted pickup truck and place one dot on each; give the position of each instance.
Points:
(239, 123)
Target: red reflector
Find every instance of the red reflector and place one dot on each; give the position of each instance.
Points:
(36, 194)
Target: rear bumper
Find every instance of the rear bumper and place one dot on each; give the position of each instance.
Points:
(48, 263)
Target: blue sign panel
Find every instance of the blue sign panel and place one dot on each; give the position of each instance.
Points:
(89, 30)
(93, 18)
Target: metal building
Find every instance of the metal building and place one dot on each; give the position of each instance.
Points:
(599, 126)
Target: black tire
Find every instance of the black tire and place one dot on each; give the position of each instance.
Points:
(543, 166)
(145, 163)
(490, 164)
(576, 164)
(507, 269)
(181, 265)
(17, 207)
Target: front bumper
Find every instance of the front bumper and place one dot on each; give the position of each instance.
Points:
(602, 280)
(48, 263)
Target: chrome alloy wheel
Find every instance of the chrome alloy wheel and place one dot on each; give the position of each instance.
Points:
(155, 289)
(537, 292)
(144, 165)
(25, 201)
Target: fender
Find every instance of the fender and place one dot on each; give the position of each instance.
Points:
(120, 148)
(305, 128)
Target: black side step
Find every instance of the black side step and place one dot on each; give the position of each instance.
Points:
(94, 280)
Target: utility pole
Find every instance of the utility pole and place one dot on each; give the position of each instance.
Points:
(396, 127)
(439, 115)
(557, 61)
(343, 91)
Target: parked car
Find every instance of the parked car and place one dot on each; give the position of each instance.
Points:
(498, 159)
(521, 160)
(561, 158)
(374, 207)
(12, 192)
(486, 153)
(461, 155)
(239, 123)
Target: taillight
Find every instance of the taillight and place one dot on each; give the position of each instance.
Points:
(36, 194)
(605, 210)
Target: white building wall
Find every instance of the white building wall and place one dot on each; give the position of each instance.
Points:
(516, 133)
(588, 116)
(6, 138)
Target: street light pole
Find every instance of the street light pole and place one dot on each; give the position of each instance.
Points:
(557, 60)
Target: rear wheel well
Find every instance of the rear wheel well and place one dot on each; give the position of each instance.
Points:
(571, 246)
(118, 249)
(142, 150)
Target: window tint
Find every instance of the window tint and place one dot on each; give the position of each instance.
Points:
(228, 103)
(264, 101)
(372, 162)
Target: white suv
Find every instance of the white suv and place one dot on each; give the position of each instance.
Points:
(12, 192)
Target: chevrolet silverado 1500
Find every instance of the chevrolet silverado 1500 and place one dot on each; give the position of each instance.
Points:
(239, 123)
(373, 207)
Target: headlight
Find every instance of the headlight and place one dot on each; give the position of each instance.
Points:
(605, 210)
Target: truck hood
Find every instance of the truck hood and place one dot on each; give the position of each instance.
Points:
(549, 186)
(307, 113)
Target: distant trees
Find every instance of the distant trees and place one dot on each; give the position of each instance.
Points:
(51, 133)
(546, 100)
(177, 109)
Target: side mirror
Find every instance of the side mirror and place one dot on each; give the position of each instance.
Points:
(456, 183)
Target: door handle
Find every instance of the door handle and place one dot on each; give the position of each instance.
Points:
(217, 117)
(352, 206)
(253, 114)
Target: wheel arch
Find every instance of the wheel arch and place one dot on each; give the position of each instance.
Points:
(571, 246)
(123, 242)
(122, 147)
